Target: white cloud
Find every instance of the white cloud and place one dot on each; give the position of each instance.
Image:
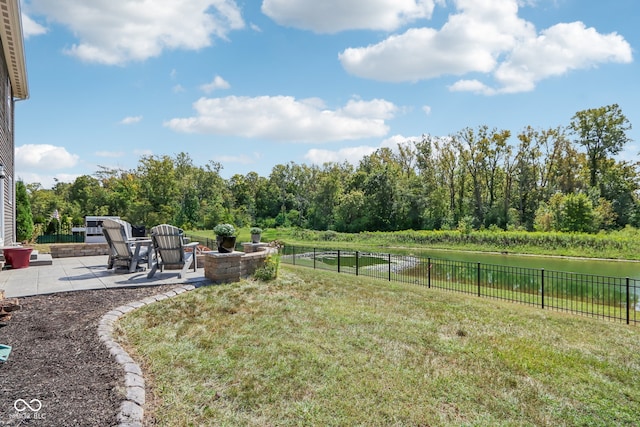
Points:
(332, 16)
(376, 108)
(46, 181)
(393, 141)
(564, 47)
(178, 88)
(217, 83)
(353, 155)
(116, 32)
(242, 159)
(283, 118)
(349, 154)
(131, 120)
(427, 109)
(486, 37)
(31, 27)
(31, 157)
(475, 86)
(469, 42)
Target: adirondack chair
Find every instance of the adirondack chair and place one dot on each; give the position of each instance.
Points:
(171, 249)
(124, 250)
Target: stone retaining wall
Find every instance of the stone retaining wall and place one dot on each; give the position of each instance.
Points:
(231, 267)
(69, 250)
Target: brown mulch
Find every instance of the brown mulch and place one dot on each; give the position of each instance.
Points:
(58, 359)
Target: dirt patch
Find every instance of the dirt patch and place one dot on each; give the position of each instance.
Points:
(57, 362)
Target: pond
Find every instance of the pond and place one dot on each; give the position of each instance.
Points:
(599, 267)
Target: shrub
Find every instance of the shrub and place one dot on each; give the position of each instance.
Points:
(255, 230)
(269, 270)
(465, 225)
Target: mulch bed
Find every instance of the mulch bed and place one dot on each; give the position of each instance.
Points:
(58, 359)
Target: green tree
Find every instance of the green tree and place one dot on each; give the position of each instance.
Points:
(24, 217)
(88, 197)
(433, 196)
(159, 189)
(578, 213)
(619, 186)
(602, 131)
(538, 170)
(377, 177)
(331, 182)
(350, 214)
(43, 202)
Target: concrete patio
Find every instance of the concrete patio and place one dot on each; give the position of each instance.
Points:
(81, 273)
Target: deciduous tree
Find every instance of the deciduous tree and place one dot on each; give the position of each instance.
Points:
(603, 132)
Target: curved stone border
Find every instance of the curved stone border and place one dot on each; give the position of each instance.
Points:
(132, 408)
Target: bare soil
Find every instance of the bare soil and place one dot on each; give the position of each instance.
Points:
(58, 362)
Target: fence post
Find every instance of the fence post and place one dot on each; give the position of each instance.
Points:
(314, 258)
(338, 260)
(389, 267)
(479, 294)
(542, 285)
(293, 253)
(628, 300)
(357, 256)
(429, 272)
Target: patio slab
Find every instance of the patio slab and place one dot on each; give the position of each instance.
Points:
(82, 273)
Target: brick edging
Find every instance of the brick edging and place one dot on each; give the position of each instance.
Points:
(132, 408)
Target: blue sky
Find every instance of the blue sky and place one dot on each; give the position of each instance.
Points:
(252, 84)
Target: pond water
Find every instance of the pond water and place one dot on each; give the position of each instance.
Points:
(599, 267)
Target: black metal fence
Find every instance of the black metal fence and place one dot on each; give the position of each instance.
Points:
(612, 298)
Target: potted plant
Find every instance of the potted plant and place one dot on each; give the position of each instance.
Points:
(225, 237)
(256, 232)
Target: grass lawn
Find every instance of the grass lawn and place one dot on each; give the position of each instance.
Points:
(318, 348)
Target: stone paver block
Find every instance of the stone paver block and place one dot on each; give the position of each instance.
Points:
(136, 394)
(133, 380)
(130, 412)
(132, 368)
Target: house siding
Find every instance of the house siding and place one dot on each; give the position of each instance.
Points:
(7, 156)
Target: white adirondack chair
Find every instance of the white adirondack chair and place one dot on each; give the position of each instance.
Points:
(171, 249)
(124, 250)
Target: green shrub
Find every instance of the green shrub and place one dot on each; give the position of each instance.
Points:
(269, 270)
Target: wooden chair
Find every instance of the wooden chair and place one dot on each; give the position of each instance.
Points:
(171, 249)
(124, 251)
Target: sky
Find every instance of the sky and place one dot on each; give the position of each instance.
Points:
(255, 83)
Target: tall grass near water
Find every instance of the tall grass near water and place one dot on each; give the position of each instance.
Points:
(624, 244)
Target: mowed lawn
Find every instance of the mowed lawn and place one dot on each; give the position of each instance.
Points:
(323, 349)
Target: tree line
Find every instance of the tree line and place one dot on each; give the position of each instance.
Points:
(556, 179)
